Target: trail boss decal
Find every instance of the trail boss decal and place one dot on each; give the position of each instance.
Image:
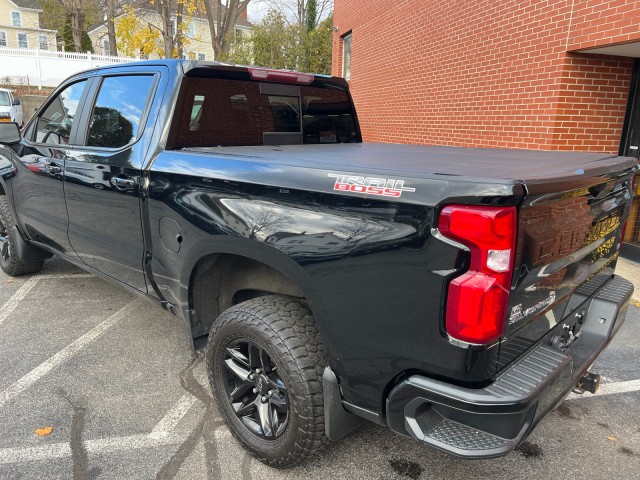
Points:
(384, 187)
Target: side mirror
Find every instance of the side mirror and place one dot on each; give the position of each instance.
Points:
(9, 133)
(16, 102)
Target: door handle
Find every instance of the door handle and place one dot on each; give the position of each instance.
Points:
(123, 183)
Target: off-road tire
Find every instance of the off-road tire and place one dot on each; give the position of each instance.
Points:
(286, 330)
(12, 265)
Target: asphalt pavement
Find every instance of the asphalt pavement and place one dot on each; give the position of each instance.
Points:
(114, 379)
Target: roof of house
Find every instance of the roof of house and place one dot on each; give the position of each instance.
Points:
(146, 4)
(35, 4)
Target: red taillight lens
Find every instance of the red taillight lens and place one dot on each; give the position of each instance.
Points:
(477, 301)
(280, 76)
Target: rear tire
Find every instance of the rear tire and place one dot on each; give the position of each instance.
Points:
(265, 360)
(9, 261)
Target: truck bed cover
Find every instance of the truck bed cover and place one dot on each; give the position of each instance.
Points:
(505, 165)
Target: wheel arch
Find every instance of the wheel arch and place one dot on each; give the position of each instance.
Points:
(238, 270)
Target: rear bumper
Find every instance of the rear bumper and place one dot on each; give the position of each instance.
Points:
(492, 421)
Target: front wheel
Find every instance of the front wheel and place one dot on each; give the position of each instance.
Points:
(9, 261)
(265, 360)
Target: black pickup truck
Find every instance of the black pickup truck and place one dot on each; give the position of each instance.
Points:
(455, 295)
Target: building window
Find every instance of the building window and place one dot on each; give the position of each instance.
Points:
(43, 42)
(239, 35)
(346, 56)
(3, 39)
(16, 19)
(192, 30)
(202, 56)
(106, 48)
(174, 27)
(23, 40)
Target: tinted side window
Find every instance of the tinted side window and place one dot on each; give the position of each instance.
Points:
(55, 123)
(115, 120)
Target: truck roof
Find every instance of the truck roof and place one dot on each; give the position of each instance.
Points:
(194, 67)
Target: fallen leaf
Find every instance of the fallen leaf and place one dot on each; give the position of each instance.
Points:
(10, 281)
(43, 432)
(612, 438)
(635, 302)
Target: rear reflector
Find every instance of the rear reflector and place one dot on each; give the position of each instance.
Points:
(477, 300)
(280, 76)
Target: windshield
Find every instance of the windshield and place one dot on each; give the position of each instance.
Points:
(4, 99)
(220, 112)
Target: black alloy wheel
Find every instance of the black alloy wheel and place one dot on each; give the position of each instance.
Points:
(255, 391)
(265, 360)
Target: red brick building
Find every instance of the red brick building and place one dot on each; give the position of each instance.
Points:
(550, 74)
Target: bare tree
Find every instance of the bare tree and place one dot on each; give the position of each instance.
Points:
(222, 20)
(74, 10)
(295, 11)
(165, 10)
(109, 8)
(264, 219)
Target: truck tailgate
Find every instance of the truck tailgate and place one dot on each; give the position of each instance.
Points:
(568, 233)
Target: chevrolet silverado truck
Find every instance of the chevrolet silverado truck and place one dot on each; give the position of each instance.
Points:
(454, 295)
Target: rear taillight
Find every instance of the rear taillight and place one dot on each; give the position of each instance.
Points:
(477, 300)
(280, 76)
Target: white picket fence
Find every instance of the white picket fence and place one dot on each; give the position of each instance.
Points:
(45, 68)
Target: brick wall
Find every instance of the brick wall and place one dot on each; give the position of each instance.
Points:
(603, 22)
(485, 73)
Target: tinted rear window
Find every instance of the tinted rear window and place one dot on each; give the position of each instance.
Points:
(220, 112)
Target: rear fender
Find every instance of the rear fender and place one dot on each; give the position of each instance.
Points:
(253, 250)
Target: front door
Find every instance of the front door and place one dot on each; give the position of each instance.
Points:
(103, 178)
(39, 189)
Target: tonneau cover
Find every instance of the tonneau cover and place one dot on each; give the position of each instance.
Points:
(529, 166)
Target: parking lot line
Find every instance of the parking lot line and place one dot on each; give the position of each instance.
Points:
(22, 292)
(99, 445)
(66, 275)
(610, 388)
(166, 425)
(63, 355)
(163, 434)
(16, 298)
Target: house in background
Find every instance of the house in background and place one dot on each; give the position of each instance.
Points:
(197, 47)
(561, 75)
(20, 26)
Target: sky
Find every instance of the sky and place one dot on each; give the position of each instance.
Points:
(256, 10)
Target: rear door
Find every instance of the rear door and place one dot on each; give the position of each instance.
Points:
(103, 177)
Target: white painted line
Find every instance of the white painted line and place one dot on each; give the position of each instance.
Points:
(63, 355)
(100, 445)
(30, 454)
(170, 421)
(610, 389)
(16, 298)
(22, 292)
(68, 275)
(113, 444)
